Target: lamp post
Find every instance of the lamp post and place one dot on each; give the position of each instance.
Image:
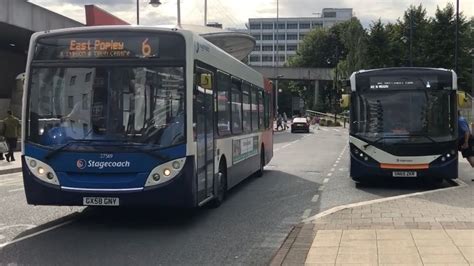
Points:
(457, 38)
(154, 3)
(157, 3)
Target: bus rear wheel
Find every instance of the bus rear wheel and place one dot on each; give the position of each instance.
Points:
(262, 163)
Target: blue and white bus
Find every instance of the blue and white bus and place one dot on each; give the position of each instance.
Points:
(403, 123)
(136, 116)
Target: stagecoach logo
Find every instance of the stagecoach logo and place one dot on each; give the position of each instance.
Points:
(404, 160)
(82, 164)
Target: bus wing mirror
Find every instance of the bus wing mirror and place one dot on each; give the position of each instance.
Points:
(462, 99)
(345, 100)
(206, 81)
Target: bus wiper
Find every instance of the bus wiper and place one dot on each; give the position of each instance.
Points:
(422, 135)
(145, 150)
(371, 143)
(69, 143)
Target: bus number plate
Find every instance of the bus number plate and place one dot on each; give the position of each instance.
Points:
(404, 174)
(100, 201)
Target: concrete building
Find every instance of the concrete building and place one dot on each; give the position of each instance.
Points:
(18, 20)
(287, 35)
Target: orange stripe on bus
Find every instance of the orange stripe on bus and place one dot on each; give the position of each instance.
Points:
(404, 166)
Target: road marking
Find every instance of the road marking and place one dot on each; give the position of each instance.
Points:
(315, 198)
(325, 180)
(325, 129)
(15, 190)
(28, 226)
(332, 170)
(334, 165)
(337, 161)
(306, 213)
(329, 174)
(36, 233)
(341, 169)
(337, 130)
(368, 202)
(321, 188)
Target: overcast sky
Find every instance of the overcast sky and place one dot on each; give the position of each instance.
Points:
(235, 13)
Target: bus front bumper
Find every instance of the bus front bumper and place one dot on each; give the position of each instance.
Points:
(362, 170)
(178, 192)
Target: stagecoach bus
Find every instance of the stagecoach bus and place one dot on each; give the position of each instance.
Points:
(135, 116)
(403, 124)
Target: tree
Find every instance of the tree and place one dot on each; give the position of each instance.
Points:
(317, 50)
(354, 49)
(378, 43)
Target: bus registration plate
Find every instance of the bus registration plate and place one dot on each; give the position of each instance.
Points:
(100, 201)
(404, 173)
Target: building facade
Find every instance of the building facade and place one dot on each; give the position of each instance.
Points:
(277, 42)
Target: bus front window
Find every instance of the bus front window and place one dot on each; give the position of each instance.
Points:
(421, 115)
(133, 104)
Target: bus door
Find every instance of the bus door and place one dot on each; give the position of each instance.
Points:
(204, 132)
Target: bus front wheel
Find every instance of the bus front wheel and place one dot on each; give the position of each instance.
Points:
(221, 187)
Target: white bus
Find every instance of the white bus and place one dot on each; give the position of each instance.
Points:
(132, 115)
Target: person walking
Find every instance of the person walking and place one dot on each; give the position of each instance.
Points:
(285, 121)
(279, 121)
(465, 140)
(11, 132)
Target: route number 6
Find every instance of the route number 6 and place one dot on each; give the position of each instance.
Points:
(146, 48)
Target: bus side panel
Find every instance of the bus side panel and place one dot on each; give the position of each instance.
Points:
(242, 170)
(179, 192)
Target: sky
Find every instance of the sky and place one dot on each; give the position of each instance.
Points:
(235, 13)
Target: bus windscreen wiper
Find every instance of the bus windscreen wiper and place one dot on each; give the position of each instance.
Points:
(371, 143)
(69, 143)
(145, 150)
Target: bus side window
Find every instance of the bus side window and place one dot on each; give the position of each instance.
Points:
(223, 103)
(254, 108)
(236, 104)
(247, 113)
(260, 108)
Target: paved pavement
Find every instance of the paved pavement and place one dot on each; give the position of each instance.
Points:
(435, 227)
(11, 167)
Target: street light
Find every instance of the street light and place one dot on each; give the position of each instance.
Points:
(153, 3)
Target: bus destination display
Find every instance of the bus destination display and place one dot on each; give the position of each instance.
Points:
(402, 82)
(80, 48)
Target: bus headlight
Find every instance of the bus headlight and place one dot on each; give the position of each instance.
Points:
(165, 172)
(42, 171)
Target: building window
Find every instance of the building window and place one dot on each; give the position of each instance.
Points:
(267, 58)
(281, 58)
(267, 37)
(267, 48)
(280, 36)
(267, 26)
(256, 48)
(256, 36)
(302, 36)
(281, 47)
(72, 81)
(292, 37)
(317, 24)
(291, 48)
(254, 58)
(70, 102)
(292, 26)
(88, 77)
(305, 25)
(329, 14)
(254, 26)
(281, 26)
